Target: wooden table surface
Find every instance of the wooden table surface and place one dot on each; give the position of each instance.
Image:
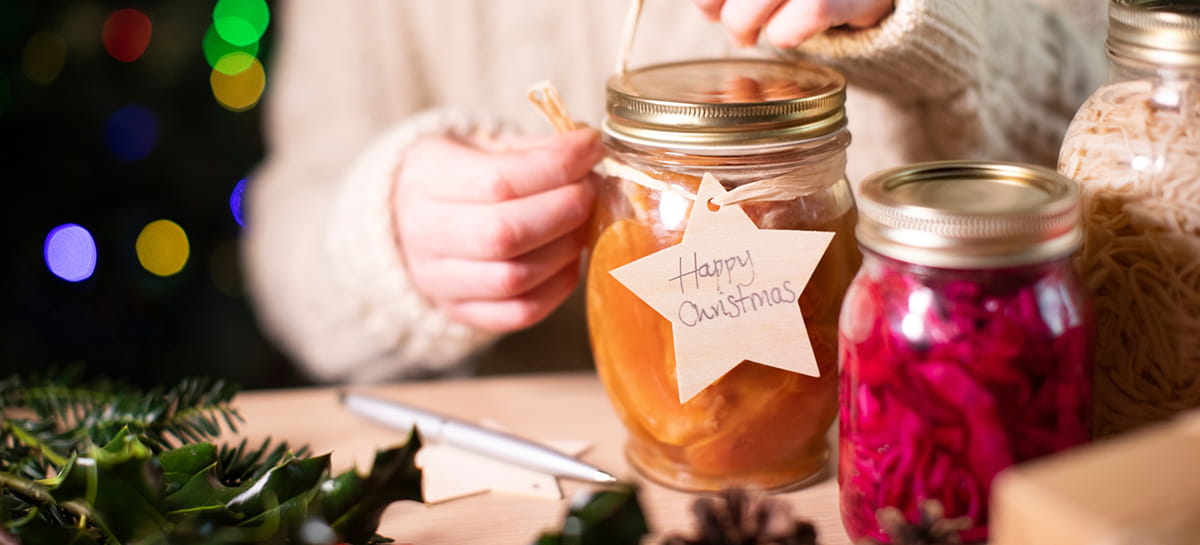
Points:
(570, 406)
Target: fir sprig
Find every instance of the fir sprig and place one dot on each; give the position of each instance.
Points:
(240, 464)
(103, 464)
(191, 411)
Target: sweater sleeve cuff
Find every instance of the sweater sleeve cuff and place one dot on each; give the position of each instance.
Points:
(924, 49)
(403, 334)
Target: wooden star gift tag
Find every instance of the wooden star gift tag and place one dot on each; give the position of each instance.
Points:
(731, 292)
(450, 473)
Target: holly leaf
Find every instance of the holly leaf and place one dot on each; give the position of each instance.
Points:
(605, 517)
(184, 463)
(202, 492)
(121, 484)
(355, 504)
(280, 501)
(136, 490)
(341, 493)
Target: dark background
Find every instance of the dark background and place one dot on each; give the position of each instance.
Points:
(64, 164)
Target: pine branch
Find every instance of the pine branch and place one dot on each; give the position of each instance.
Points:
(239, 465)
(93, 464)
(192, 411)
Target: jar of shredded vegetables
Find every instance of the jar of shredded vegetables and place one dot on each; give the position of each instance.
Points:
(777, 128)
(1134, 148)
(965, 339)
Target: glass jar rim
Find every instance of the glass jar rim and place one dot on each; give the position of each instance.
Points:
(744, 103)
(1160, 32)
(969, 214)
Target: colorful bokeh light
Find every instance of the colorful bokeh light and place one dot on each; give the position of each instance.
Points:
(216, 49)
(162, 248)
(241, 91)
(126, 34)
(241, 22)
(70, 252)
(234, 63)
(43, 57)
(235, 202)
(131, 132)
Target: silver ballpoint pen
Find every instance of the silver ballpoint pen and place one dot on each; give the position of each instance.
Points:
(467, 436)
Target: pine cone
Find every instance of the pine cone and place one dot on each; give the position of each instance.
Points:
(738, 517)
(933, 529)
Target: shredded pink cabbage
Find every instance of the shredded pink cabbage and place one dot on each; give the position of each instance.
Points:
(948, 377)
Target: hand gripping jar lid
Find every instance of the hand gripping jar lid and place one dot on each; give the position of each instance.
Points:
(709, 105)
(1155, 31)
(969, 214)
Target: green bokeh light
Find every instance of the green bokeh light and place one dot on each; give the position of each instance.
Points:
(241, 22)
(216, 49)
(234, 63)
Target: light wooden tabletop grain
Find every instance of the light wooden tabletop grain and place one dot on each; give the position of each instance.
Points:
(557, 406)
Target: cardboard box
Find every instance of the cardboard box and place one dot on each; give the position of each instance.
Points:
(1139, 489)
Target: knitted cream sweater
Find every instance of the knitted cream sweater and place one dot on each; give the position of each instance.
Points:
(355, 83)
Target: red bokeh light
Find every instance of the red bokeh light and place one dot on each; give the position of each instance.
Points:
(126, 34)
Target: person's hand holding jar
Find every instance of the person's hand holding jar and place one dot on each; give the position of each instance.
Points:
(491, 237)
(788, 23)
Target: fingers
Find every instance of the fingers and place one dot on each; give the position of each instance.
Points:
(517, 312)
(493, 231)
(788, 23)
(460, 280)
(491, 238)
(710, 8)
(799, 20)
(488, 177)
(563, 160)
(743, 19)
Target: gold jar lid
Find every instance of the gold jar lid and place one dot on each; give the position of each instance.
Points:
(969, 214)
(1163, 32)
(725, 103)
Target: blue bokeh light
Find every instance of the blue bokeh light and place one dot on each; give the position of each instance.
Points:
(131, 132)
(235, 202)
(70, 252)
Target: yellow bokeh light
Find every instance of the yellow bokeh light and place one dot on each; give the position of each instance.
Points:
(239, 91)
(162, 248)
(43, 57)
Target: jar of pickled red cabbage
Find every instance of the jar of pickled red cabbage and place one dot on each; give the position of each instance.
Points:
(746, 122)
(965, 338)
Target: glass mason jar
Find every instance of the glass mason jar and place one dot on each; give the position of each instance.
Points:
(743, 121)
(1134, 148)
(964, 340)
